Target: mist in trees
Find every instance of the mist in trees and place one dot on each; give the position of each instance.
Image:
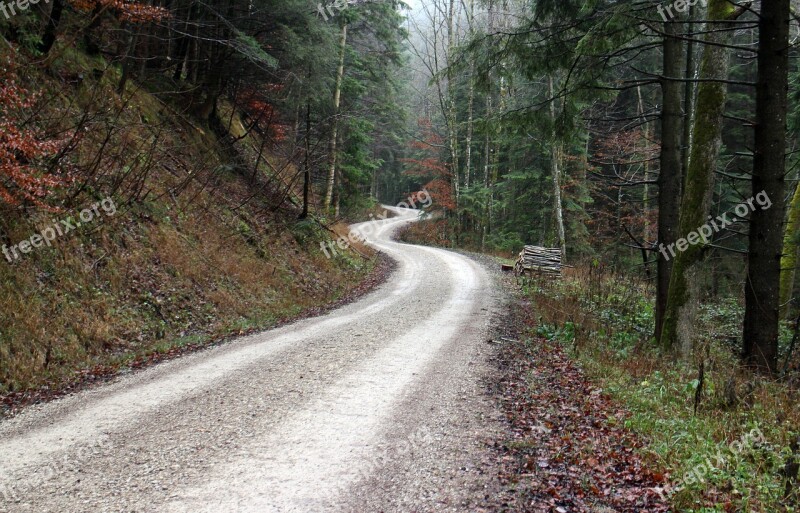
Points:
(614, 129)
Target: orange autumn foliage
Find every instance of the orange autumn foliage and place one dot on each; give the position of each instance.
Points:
(25, 152)
(256, 103)
(134, 12)
(430, 166)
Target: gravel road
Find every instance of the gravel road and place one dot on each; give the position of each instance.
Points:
(377, 406)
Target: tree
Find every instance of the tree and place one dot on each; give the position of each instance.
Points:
(435, 47)
(696, 200)
(791, 244)
(555, 168)
(426, 166)
(669, 177)
(762, 287)
(337, 98)
(51, 28)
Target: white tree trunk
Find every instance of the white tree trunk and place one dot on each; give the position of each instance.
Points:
(452, 120)
(555, 157)
(471, 104)
(337, 98)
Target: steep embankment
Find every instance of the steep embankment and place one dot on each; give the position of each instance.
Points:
(170, 236)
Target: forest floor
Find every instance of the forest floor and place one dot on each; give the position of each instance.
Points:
(565, 447)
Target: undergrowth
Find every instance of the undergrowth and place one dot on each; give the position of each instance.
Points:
(193, 255)
(606, 322)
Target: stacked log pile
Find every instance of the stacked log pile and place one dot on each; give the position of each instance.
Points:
(536, 260)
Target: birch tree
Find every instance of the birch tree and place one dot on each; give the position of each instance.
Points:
(337, 100)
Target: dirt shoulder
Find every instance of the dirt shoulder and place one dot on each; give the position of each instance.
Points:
(566, 448)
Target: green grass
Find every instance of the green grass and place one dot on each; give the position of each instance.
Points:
(606, 324)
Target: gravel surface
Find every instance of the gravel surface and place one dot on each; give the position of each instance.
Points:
(378, 406)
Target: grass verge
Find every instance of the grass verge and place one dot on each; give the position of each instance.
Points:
(736, 451)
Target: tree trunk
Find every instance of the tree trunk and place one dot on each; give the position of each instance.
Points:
(470, 106)
(762, 288)
(688, 94)
(487, 163)
(183, 45)
(51, 29)
(789, 258)
(337, 194)
(669, 177)
(93, 48)
(126, 58)
(696, 201)
(337, 98)
(555, 167)
(646, 172)
(452, 119)
(470, 129)
(487, 149)
(307, 164)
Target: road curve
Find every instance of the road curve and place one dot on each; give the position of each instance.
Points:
(351, 411)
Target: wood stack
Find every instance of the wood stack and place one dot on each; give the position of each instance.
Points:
(536, 260)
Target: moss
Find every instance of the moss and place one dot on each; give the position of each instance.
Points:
(721, 9)
(695, 204)
(789, 258)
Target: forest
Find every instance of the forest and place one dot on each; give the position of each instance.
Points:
(217, 146)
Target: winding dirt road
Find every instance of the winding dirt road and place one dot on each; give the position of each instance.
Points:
(377, 406)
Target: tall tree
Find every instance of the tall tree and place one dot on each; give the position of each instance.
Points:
(696, 200)
(307, 165)
(762, 287)
(51, 27)
(337, 99)
(452, 111)
(669, 178)
(555, 168)
(791, 240)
